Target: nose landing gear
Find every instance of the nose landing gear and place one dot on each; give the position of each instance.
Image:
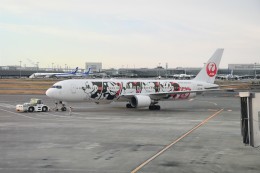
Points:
(63, 106)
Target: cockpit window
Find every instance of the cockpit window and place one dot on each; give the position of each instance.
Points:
(57, 86)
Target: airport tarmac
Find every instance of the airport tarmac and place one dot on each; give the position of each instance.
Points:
(113, 139)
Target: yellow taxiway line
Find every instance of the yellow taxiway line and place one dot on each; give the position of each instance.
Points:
(174, 142)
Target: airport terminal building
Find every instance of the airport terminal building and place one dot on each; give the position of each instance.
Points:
(236, 69)
(244, 66)
(95, 66)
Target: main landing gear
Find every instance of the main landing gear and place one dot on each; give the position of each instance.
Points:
(128, 105)
(151, 107)
(154, 107)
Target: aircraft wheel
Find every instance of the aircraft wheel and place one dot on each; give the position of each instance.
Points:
(128, 105)
(30, 109)
(155, 107)
(152, 107)
(63, 109)
(44, 109)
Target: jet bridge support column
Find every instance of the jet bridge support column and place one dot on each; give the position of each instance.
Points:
(250, 118)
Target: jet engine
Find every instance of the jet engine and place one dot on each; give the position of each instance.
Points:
(140, 101)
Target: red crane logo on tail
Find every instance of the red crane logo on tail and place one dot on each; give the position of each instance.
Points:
(211, 69)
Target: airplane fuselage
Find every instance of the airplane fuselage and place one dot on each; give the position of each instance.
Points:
(108, 90)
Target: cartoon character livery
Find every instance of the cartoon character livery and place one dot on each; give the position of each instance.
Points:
(136, 92)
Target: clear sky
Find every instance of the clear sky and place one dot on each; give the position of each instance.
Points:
(128, 33)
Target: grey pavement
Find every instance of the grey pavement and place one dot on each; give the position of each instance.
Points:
(113, 139)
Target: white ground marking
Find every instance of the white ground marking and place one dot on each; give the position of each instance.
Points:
(5, 105)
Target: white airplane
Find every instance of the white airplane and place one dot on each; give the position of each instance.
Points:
(231, 76)
(49, 75)
(182, 76)
(138, 93)
(70, 74)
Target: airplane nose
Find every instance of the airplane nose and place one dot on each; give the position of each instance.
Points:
(49, 93)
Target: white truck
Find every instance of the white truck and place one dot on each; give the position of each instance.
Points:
(34, 105)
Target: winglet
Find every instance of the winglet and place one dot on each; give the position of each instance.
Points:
(209, 71)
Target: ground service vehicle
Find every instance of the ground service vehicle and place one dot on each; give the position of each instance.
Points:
(34, 105)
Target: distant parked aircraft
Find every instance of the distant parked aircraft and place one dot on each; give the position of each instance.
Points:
(228, 76)
(84, 74)
(183, 76)
(231, 76)
(66, 75)
(50, 75)
(138, 93)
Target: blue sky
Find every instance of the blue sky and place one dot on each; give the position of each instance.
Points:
(136, 33)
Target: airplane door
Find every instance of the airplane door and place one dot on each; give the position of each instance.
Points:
(73, 88)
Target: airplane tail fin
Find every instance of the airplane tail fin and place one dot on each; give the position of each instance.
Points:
(75, 71)
(87, 72)
(209, 71)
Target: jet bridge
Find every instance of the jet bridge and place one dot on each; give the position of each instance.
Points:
(250, 118)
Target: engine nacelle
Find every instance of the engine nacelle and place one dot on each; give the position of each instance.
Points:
(140, 101)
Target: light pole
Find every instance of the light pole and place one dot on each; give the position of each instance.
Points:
(255, 70)
(166, 70)
(159, 70)
(37, 66)
(20, 68)
(52, 65)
